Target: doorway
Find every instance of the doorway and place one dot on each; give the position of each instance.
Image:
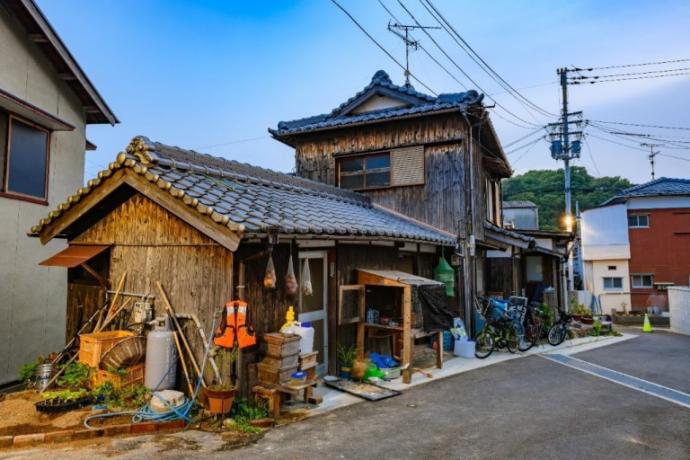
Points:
(314, 308)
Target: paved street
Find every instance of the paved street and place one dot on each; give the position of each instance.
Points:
(525, 408)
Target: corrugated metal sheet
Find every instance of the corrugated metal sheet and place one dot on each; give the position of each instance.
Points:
(74, 255)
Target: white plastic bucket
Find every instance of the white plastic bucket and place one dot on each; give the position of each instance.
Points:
(306, 343)
(464, 348)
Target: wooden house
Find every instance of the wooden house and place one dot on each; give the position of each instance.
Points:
(436, 159)
(204, 228)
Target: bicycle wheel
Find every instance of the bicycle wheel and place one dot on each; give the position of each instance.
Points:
(557, 334)
(512, 340)
(484, 345)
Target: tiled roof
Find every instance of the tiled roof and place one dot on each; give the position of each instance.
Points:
(509, 233)
(664, 186)
(254, 200)
(517, 204)
(416, 103)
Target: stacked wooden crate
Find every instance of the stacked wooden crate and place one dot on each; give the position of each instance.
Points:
(282, 358)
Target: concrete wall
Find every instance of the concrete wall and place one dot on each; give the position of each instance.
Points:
(596, 271)
(32, 298)
(679, 308)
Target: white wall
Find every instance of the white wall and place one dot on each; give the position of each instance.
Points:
(378, 103)
(659, 202)
(596, 271)
(33, 298)
(679, 309)
(605, 233)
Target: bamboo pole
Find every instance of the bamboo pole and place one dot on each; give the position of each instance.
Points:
(171, 312)
(184, 365)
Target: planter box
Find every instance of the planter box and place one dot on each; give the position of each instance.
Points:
(93, 346)
(134, 374)
(638, 320)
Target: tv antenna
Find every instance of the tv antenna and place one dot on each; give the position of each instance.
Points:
(403, 31)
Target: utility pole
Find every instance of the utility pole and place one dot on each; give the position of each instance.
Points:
(410, 43)
(652, 154)
(563, 149)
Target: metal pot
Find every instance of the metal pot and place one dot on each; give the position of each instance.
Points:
(44, 372)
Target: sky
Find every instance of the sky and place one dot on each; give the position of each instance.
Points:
(214, 75)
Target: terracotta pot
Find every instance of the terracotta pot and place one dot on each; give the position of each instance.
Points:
(220, 401)
(587, 320)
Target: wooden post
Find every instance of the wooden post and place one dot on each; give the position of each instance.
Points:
(407, 335)
(439, 350)
(361, 324)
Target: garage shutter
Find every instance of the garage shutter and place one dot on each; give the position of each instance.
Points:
(407, 166)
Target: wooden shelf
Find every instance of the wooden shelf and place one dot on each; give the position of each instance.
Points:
(384, 327)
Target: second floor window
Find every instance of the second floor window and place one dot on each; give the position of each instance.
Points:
(638, 221)
(24, 160)
(642, 281)
(365, 172)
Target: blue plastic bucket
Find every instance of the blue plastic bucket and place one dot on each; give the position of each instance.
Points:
(464, 348)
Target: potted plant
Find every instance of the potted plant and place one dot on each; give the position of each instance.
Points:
(346, 356)
(220, 396)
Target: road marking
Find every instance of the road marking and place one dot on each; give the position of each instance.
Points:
(645, 386)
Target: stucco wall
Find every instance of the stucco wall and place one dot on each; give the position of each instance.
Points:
(595, 271)
(679, 308)
(32, 298)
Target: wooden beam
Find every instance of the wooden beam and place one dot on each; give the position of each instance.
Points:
(66, 76)
(102, 281)
(78, 209)
(408, 340)
(217, 232)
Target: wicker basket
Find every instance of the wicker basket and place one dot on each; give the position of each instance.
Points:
(93, 346)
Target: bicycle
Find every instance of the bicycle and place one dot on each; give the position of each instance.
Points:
(499, 331)
(535, 328)
(560, 330)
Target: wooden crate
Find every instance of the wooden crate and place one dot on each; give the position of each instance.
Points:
(308, 360)
(279, 345)
(285, 361)
(274, 375)
(93, 346)
(134, 374)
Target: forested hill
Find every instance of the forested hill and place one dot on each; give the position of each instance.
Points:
(545, 189)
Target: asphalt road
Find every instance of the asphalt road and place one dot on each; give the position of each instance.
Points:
(526, 408)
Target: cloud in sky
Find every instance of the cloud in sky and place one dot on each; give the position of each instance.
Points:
(214, 75)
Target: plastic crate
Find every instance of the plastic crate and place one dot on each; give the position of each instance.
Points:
(134, 374)
(93, 346)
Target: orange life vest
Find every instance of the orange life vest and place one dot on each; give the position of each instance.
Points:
(235, 329)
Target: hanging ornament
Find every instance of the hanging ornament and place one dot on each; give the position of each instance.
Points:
(306, 279)
(291, 285)
(270, 275)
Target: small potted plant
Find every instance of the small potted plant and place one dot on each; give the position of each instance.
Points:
(346, 356)
(221, 396)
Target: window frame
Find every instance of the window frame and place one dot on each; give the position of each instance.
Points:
(614, 288)
(642, 275)
(637, 224)
(363, 172)
(4, 192)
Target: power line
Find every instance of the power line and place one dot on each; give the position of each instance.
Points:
(642, 125)
(629, 78)
(589, 69)
(529, 123)
(591, 157)
(674, 157)
(524, 154)
(523, 137)
(529, 144)
(476, 57)
(617, 143)
(352, 18)
(237, 141)
(627, 74)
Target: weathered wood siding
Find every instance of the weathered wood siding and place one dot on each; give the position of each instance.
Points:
(441, 201)
(151, 245)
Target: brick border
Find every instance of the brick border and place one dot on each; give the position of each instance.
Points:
(53, 437)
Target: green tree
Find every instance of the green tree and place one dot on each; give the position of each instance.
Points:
(545, 188)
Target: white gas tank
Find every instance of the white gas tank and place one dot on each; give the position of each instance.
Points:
(161, 357)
